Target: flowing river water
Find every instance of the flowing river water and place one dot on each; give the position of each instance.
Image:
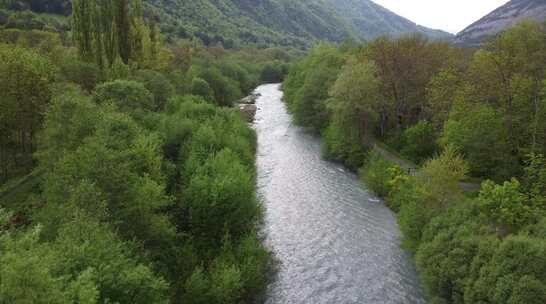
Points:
(334, 240)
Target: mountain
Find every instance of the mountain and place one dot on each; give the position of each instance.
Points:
(282, 22)
(371, 20)
(502, 18)
(297, 23)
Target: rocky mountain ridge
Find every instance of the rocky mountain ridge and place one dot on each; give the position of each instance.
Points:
(503, 17)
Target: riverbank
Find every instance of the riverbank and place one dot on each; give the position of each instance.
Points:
(334, 240)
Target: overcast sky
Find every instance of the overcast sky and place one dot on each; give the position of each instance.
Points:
(449, 15)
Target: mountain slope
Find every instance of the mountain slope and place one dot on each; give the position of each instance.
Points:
(501, 18)
(371, 20)
(297, 23)
(283, 22)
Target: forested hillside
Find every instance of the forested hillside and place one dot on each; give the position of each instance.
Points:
(459, 116)
(243, 22)
(126, 176)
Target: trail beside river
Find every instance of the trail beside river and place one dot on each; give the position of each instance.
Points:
(335, 241)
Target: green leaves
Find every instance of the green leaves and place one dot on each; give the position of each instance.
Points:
(220, 197)
(477, 131)
(505, 206)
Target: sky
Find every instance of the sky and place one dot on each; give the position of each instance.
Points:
(449, 15)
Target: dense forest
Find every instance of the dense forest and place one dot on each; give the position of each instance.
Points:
(125, 174)
(459, 115)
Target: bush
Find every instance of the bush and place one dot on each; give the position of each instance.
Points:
(342, 143)
(226, 91)
(200, 87)
(84, 74)
(129, 96)
(220, 197)
(477, 131)
(274, 72)
(419, 142)
(377, 173)
(159, 85)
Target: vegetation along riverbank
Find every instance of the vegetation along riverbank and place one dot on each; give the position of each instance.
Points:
(457, 113)
(143, 173)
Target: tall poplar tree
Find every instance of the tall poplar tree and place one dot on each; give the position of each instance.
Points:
(105, 30)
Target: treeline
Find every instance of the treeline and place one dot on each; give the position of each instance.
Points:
(147, 184)
(459, 114)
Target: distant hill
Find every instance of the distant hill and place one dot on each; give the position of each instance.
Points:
(297, 23)
(502, 18)
(370, 20)
(283, 22)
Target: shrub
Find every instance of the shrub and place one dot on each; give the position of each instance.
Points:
(129, 96)
(159, 85)
(200, 87)
(419, 142)
(377, 173)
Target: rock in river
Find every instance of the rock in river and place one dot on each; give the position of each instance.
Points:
(248, 111)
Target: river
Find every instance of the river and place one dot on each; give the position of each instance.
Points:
(334, 240)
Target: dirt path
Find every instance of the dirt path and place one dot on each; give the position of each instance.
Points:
(411, 169)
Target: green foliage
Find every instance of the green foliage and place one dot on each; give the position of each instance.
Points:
(128, 96)
(477, 131)
(26, 270)
(70, 118)
(513, 273)
(440, 178)
(84, 74)
(226, 91)
(306, 87)
(25, 90)
(354, 96)
(274, 72)
(159, 85)
(107, 30)
(200, 87)
(279, 22)
(378, 172)
(505, 206)
(419, 142)
(487, 111)
(87, 263)
(219, 197)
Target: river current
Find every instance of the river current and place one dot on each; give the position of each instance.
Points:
(335, 241)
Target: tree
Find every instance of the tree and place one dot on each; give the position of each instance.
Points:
(115, 175)
(508, 74)
(477, 131)
(512, 274)
(440, 95)
(226, 91)
(419, 142)
(160, 87)
(129, 96)
(440, 177)
(25, 90)
(220, 197)
(201, 88)
(27, 275)
(86, 263)
(505, 206)
(306, 87)
(405, 66)
(353, 103)
(70, 118)
(105, 30)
